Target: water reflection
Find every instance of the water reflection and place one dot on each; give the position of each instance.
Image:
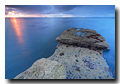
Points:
(17, 25)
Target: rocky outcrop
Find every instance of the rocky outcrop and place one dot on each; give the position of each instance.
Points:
(79, 55)
(83, 38)
(44, 69)
(81, 63)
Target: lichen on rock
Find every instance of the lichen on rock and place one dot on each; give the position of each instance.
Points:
(83, 38)
(80, 64)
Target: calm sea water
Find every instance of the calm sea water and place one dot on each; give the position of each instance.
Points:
(29, 39)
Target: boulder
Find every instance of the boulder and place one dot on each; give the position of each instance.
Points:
(44, 69)
(83, 38)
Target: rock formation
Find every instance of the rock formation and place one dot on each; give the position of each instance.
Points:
(44, 69)
(78, 56)
(81, 63)
(83, 38)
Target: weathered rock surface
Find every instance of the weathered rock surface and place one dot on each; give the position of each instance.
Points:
(81, 63)
(44, 69)
(78, 56)
(83, 38)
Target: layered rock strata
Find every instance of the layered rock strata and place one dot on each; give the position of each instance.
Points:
(83, 38)
(79, 55)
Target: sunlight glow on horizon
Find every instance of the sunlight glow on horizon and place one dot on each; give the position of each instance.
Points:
(13, 14)
(42, 15)
(17, 14)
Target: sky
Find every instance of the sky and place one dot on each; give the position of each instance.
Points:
(59, 10)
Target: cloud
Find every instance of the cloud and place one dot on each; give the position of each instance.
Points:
(63, 10)
(111, 14)
(65, 7)
(30, 8)
(93, 10)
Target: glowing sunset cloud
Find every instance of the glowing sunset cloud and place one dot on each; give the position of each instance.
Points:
(10, 13)
(13, 14)
(16, 13)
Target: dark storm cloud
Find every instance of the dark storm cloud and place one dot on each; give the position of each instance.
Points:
(30, 8)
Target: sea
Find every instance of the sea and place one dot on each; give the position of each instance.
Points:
(30, 39)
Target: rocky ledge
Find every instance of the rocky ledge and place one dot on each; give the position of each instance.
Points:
(79, 55)
(83, 38)
(44, 69)
(81, 63)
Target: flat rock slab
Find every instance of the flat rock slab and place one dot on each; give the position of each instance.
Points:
(83, 38)
(81, 63)
(44, 69)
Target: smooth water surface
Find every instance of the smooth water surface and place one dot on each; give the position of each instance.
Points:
(29, 39)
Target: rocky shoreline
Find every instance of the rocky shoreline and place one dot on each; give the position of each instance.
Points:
(79, 55)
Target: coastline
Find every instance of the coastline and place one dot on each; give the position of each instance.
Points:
(72, 61)
(75, 61)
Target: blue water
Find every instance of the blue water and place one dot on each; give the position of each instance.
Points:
(29, 39)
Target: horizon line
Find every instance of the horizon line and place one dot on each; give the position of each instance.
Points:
(58, 17)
